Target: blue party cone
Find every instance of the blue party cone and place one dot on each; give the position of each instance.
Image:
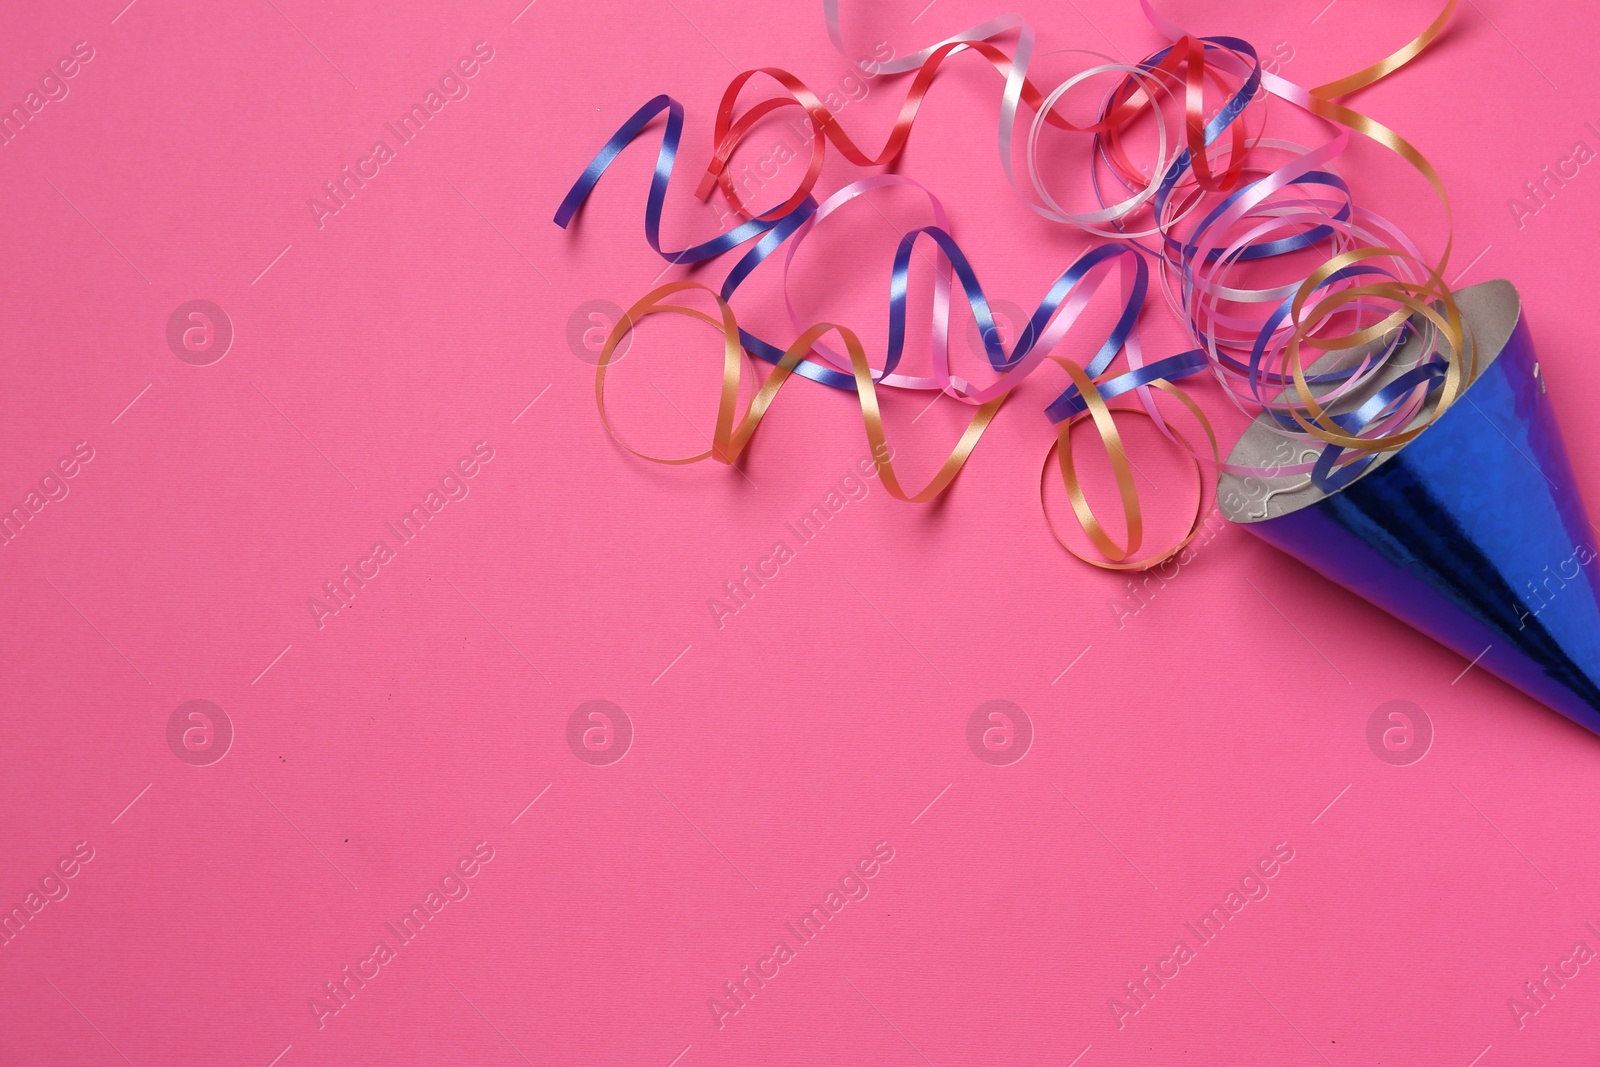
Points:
(1473, 533)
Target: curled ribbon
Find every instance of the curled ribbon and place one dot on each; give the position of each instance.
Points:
(1205, 258)
(1214, 210)
(734, 431)
(1117, 557)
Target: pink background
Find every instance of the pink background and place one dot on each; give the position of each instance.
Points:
(772, 754)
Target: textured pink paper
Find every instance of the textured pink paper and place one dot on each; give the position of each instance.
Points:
(381, 753)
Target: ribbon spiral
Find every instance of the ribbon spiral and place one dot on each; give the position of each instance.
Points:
(1218, 203)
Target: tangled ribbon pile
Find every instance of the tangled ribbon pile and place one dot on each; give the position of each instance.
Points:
(1217, 200)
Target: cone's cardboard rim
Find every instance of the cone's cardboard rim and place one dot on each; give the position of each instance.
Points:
(1490, 311)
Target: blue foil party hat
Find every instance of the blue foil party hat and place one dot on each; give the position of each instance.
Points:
(1473, 533)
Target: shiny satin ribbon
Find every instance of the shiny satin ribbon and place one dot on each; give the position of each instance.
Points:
(1182, 64)
(1274, 362)
(1271, 366)
(733, 431)
(729, 133)
(1056, 314)
(1067, 297)
(1275, 214)
(1412, 293)
(729, 440)
(662, 175)
(1117, 557)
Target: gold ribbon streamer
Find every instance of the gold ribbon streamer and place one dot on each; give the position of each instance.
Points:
(733, 433)
(1431, 300)
(1384, 67)
(1100, 414)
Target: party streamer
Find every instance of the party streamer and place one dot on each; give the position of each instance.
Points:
(1214, 204)
(1275, 352)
